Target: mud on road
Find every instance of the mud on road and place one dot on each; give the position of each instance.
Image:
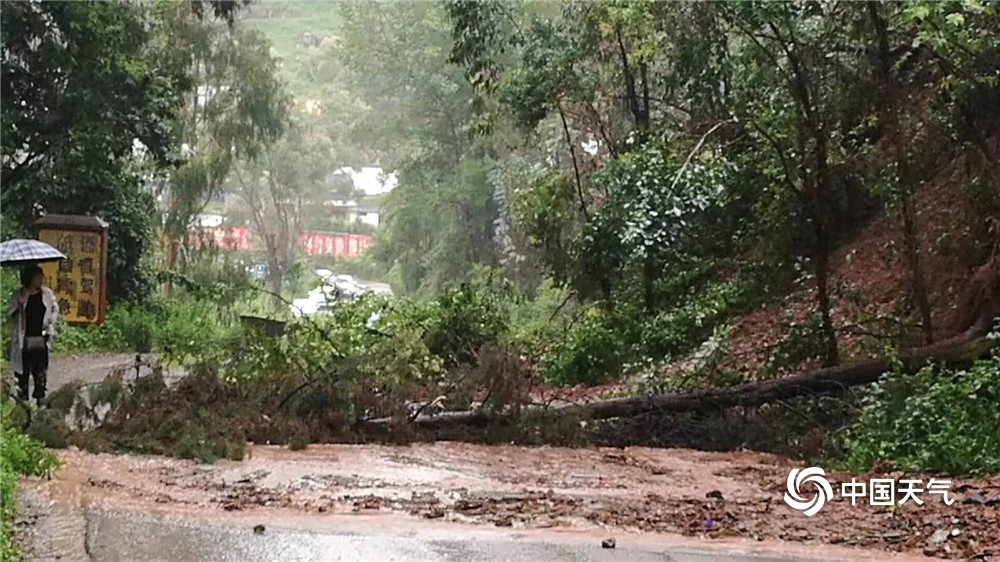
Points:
(715, 497)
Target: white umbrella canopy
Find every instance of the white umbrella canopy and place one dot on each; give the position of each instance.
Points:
(21, 251)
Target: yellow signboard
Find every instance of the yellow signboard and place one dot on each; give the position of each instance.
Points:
(79, 281)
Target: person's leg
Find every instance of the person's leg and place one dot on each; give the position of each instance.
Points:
(40, 368)
(22, 381)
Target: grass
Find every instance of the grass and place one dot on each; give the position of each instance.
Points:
(283, 22)
(175, 328)
(19, 456)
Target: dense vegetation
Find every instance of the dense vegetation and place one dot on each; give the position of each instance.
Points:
(589, 193)
(931, 421)
(19, 456)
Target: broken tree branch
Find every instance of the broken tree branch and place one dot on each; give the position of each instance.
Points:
(958, 351)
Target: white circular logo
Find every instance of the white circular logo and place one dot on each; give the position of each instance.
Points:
(812, 475)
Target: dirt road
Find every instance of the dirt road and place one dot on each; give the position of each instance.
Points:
(94, 367)
(646, 498)
(89, 368)
(653, 501)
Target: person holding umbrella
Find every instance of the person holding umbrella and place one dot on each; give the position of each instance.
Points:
(35, 310)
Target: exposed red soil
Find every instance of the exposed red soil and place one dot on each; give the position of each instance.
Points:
(870, 279)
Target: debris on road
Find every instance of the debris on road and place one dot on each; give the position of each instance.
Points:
(696, 494)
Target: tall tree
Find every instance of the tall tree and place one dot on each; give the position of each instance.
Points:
(280, 186)
(790, 80)
(439, 219)
(237, 105)
(898, 134)
(83, 85)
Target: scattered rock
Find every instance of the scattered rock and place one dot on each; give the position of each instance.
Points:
(714, 494)
(975, 499)
(939, 536)
(258, 529)
(468, 505)
(608, 543)
(434, 513)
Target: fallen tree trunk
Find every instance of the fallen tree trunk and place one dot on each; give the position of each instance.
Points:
(959, 351)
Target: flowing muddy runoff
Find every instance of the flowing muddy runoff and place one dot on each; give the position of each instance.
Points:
(641, 496)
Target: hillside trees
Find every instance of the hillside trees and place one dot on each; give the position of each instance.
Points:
(235, 107)
(91, 95)
(438, 222)
(695, 140)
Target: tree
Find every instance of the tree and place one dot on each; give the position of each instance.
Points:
(236, 106)
(789, 79)
(89, 90)
(961, 40)
(280, 186)
(892, 116)
(416, 123)
(84, 84)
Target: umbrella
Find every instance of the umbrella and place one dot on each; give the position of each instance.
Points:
(23, 252)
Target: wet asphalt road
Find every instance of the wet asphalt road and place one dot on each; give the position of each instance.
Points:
(116, 537)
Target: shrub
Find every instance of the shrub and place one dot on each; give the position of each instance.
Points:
(19, 456)
(180, 328)
(464, 319)
(687, 325)
(591, 353)
(934, 421)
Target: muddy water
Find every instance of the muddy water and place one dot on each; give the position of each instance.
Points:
(117, 537)
(442, 501)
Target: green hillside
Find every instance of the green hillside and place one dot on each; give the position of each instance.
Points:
(284, 22)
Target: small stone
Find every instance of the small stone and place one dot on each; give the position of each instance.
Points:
(608, 543)
(258, 529)
(939, 536)
(434, 513)
(714, 494)
(975, 499)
